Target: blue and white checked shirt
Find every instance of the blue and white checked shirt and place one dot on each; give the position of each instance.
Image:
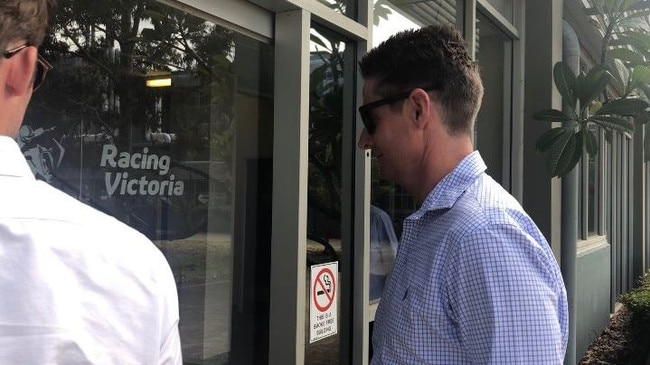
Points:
(475, 281)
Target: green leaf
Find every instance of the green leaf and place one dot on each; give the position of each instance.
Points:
(637, 40)
(620, 76)
(611, 6)
(627, 55)
(566, 165)
(615, 123)
(565, 81)
(625, 107)
(561, 156)
(546, 140)
(592, 85)
(642, 118)
(635, 20)
(628, 3)
(557, 149)
(551, 115)
(590, 141)
(640, 76)
(645, 89)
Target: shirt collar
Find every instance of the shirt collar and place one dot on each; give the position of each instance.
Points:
(452, 186)
(12, 160)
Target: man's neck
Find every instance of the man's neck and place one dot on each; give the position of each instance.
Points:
(437, 164)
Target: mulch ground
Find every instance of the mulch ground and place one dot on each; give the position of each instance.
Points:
(624, 342)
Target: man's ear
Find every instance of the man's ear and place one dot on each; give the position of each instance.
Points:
(20, 72)
(421, 107)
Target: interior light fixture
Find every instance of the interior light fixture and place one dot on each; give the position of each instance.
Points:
(160, 82)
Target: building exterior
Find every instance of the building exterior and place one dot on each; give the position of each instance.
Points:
(242, 166)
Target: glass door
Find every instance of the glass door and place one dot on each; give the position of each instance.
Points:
(164, 120)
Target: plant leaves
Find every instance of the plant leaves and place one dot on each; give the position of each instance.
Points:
(637, 40)
(565, 81)
(562, 153)
(547, 139)
(566, 166)
(615, 123)
(634, 20)
(640, 76)
(592, 85)
(551, 115)
(611, 6)
(642, 118)
(627, 55)
(620, 76)
(625, 107)
(645, 89)
(627, 3)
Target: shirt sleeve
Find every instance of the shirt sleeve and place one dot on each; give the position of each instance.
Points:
(503, 292)
(170, 350)
(170, 343)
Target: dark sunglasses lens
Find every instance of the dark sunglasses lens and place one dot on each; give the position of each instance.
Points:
(367, 120)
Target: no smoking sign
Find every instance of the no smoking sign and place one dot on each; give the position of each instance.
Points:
(323, 313)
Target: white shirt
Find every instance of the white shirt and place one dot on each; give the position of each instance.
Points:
(76, 285)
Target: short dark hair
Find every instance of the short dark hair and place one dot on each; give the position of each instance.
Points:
(24, 19)
(435, 56)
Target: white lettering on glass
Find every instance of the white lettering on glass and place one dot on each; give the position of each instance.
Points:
(119, 182)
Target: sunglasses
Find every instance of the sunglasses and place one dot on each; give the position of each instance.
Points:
(42, 66)
(366, 117)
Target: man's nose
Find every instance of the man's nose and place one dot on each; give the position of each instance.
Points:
(364, 140)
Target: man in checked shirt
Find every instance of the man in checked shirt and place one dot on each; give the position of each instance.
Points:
(475, 281)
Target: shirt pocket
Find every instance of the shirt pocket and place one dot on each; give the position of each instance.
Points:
(413, 312)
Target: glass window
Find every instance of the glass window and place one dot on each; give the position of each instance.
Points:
(592, 174)
(392, 16)
(330, 89)
(165, 121)
(505, 7)
(493, 123)
(345, 7)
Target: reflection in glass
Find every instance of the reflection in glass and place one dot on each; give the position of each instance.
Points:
(325, 168)
(345, 7)
(187, 163)
(492, 127)
(593, 187)
(504, 7)
(383, 250)
(395, 15)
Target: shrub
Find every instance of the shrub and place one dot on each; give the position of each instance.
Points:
(626, 338)
(638, 300)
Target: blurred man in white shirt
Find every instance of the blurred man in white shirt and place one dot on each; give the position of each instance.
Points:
(76, 285)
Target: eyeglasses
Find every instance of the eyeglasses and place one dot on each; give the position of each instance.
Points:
(364, 110)
(42, 66)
